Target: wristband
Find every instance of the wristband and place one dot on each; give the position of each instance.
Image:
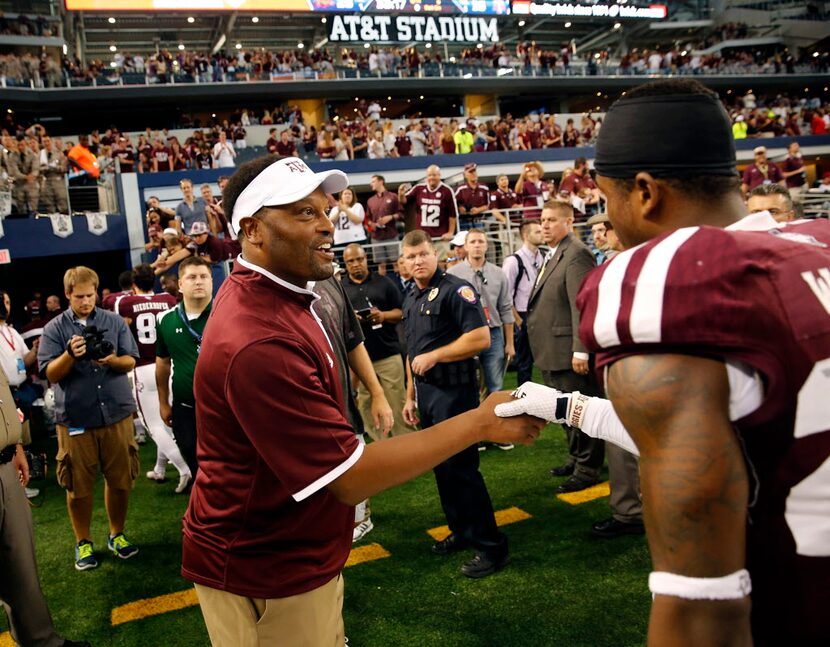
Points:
(562, 404)
(729, 587)
(577, 409)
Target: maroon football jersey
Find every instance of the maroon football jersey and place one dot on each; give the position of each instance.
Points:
(470, 197)
(142, 311)
(433, 208)
(761, 299)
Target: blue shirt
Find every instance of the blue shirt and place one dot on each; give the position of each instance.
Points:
(91, 395)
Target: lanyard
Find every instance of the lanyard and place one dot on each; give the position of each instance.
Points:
(196, 336)
(9, 340)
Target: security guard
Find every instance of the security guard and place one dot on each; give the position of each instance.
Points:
(445, 329)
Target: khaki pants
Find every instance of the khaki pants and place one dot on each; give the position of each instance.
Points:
(311, 619)
(53, 194)
(391, 377)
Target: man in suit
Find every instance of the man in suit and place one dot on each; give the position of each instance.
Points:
(552, 324)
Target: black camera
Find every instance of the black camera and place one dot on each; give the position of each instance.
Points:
(38, 466)
(96, 346)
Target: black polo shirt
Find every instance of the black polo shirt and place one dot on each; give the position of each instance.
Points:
(438, 315)
(380, 292)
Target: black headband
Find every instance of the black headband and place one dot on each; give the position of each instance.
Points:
(677, 135)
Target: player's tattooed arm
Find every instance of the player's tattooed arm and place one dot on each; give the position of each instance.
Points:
(694, 486)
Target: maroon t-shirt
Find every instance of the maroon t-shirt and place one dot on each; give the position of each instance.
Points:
(403, 145)
(433, 208)
(142, 310)
(575, 182)
(378, 206)
(760, 299)
(162, 155)
(534, 196)
(504, 200)
(793, 164)
(469, 197)
(288, 150)
(261, 521)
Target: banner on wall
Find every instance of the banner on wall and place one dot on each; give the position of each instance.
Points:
(97, 223)
(2, 231)
(5, 203)
(61, 225)
(404, 29)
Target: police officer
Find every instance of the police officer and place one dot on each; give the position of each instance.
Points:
(445, 329)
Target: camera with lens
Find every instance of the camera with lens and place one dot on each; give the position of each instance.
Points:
(96, 346)
(38, 466)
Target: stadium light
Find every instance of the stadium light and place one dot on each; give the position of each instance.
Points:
(479, 46)
(300, 45)
(389, 98)
(599, 94)
(428, 45)
(9, 110)
(452, 59)
(522, 23)
(567, 25)
(366, 45)
(65, 49)
(181, 46)
(323, 20)
(617, 25)
(683, 53)
(113, 64)
(191, 19)
(421, 97)
(254, 19)
(815, 54)
(111, 20)
(238, 46)
(113, 48)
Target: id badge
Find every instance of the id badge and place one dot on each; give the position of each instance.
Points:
(75, 431)
(21, 366)
(486, 313)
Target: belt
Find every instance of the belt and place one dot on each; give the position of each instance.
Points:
(7, 454)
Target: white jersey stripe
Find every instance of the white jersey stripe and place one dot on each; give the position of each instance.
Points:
(609, 297)
(646, 318)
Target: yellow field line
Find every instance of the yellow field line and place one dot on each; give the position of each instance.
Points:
(6, 640)
(503, 518)
(183, 599)
(583, 496)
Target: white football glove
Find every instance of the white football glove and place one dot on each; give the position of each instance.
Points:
(534, 400)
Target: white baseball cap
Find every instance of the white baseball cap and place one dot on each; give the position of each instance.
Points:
(283, 182)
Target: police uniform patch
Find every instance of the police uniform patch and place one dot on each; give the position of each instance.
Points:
(467, 293)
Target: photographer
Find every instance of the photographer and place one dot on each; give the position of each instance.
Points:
(86, 353)
(20, 593)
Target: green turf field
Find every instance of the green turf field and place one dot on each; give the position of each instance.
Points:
(564, 588)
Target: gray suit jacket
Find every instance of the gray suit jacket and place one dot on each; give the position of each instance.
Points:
(552, 317)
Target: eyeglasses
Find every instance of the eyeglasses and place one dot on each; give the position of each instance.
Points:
(481, 277)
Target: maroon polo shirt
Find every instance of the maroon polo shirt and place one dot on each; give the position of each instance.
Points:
(286, 149)
(753, 177)
(261, 521)
(794, 164)
(378, 206)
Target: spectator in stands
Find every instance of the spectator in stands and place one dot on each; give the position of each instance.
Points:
(94, 407)
(772, 198)
(464, 140)
(285, 146)
(818, 124)
(24, 170)
(570, 137)
(204, 245)
(436, 211)
(162, 160)
(418, 139)
(377, 303)
(447, 140)
(503, 199)
(472, 198)
(191, 209)
(166, 216)
(53, 166)
(533, 190)
(402, 145)
(581, 184)
(347, 216)
(384, 211)
(172, 247)
(217, 222)
(326, 148)
(739, 128)
(377, 149)
(761, 171)
(795, 172)
(223, 152)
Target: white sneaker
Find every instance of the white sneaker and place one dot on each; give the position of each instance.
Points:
(31, 492)
(362, 529)
(153, 475)
(184, 481)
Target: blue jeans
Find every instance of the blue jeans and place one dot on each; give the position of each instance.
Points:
(492, 361)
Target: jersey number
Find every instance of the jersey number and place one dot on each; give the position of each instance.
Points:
(344, 223)
(808, 504)
(430, 215)
(145, 328)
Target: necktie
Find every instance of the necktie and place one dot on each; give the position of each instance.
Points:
(548, 256)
